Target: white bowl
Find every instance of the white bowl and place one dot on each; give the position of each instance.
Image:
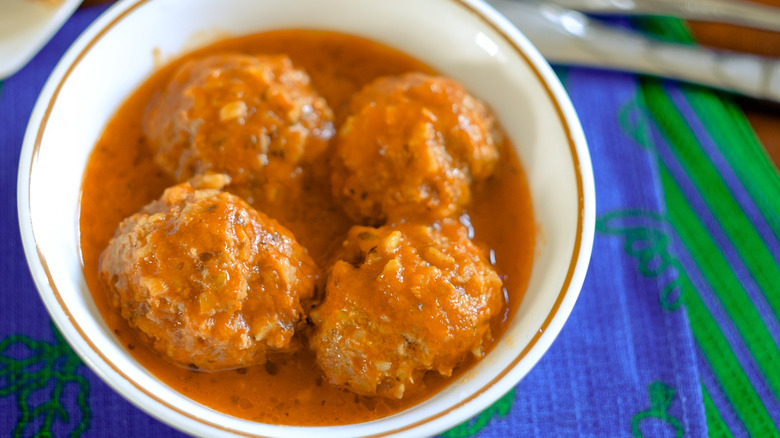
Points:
(465, 39)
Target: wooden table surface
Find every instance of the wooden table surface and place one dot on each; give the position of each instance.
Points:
(763, 116)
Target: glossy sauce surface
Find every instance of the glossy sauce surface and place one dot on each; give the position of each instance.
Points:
(122, 177)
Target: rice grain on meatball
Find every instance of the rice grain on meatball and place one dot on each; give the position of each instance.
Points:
(256, 118)
(411, 147)
(207, 280)
(404, 300)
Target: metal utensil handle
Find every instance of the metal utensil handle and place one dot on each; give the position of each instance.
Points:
(737, 12)
(750, 75)
(565, 36)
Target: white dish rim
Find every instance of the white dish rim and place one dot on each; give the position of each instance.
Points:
(511, 374)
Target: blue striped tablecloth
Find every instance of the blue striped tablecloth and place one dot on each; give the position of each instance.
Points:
(676, 332)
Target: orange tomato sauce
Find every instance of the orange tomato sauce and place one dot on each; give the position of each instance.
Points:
(121, 177)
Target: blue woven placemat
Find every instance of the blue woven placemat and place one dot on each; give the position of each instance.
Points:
(678, 315)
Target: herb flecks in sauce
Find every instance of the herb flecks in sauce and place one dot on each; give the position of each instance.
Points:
(122, 177)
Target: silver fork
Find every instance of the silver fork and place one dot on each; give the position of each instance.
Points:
(739, 12)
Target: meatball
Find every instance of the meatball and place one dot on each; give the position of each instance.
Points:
(256, 118)
(411, 147)
(401, 301)
(208, 281)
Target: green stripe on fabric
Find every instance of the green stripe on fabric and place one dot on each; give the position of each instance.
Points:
(717, 351)
(740, 230)
(664, 28)
(745, 162)
(736, 303)
(716, 427)
(734, 136)
(742, 149)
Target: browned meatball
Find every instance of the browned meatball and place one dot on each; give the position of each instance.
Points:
(255, 118)
(208, 281)
(411, 147)
(404, 300)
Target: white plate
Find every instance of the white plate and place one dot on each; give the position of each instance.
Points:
(465, 39)
(25, 26)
